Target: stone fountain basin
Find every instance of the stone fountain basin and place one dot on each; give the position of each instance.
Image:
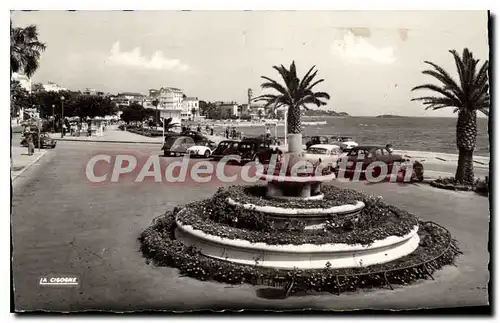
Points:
(296, 179)
(305, 256)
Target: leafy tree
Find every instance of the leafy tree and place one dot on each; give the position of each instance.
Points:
(294, 94)
(20, 98)
(466, 97)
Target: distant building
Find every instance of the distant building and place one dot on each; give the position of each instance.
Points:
(190, 105)
(228, 109)
(127, 98)
(23, 80)
(53, 87)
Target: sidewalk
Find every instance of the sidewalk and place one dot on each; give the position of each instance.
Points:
(119, 136)
(22, 161)
(111, 135)
(427, 157)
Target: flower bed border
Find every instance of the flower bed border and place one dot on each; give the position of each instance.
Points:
(452, 187)
(159, 245)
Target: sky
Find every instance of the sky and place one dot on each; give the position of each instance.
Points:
(369, 60)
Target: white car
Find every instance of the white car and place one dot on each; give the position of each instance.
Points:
(346, 143)
(199, 151)
(327, 154)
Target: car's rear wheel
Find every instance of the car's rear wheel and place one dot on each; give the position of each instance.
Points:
(207, 153)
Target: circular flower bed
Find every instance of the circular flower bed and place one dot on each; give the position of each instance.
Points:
(436, 249)
(449, 183)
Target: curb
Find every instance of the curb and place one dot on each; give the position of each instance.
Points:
(111, 141)
(14, 177)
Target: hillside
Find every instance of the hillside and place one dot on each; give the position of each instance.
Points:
(317, 112)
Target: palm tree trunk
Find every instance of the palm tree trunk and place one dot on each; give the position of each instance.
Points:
(466, 142)
(459, 174)
(294, 126)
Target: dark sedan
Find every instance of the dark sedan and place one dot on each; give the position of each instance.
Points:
(225, 148)
(366, 155)
(317, 140)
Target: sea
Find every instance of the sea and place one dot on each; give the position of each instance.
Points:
(404, 133)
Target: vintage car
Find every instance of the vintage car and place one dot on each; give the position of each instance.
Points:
(346, 143)
(177, 145)
(197, 136)
(316, 140)
(367, 155)
(256, 150)
(202, 149)
(327, 154)
(45, 140)
(224, 147)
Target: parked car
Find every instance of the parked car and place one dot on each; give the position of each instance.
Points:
(203, 149)
(225, 145)
(317, 140)
(197, 136)
(256, 150)
(177, 145)
(346, 143)
(369, 154)
(45, 140)
(327, 154)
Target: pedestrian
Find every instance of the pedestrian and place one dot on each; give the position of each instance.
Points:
(234, 132)
(198, 128)
(227, 132)
(268, 133)
(31, 146)
(211, 130)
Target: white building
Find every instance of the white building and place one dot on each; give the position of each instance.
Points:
(23, 80)
(190, 105)
(53, 87)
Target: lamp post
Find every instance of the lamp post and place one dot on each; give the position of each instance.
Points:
(62, 116)
(53, 118)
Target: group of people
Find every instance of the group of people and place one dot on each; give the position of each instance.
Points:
(233, 134)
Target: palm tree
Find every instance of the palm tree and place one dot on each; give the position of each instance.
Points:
(193, 112)
(295, 94)
(466, 97)
(168, 124)
(25, 50)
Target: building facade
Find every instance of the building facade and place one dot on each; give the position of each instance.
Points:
(53, 87)
(190, 105)
(228, 109)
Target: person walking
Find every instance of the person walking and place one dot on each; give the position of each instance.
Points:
(227, 132)
(31, 145)
(211, 130)
(268, 133)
